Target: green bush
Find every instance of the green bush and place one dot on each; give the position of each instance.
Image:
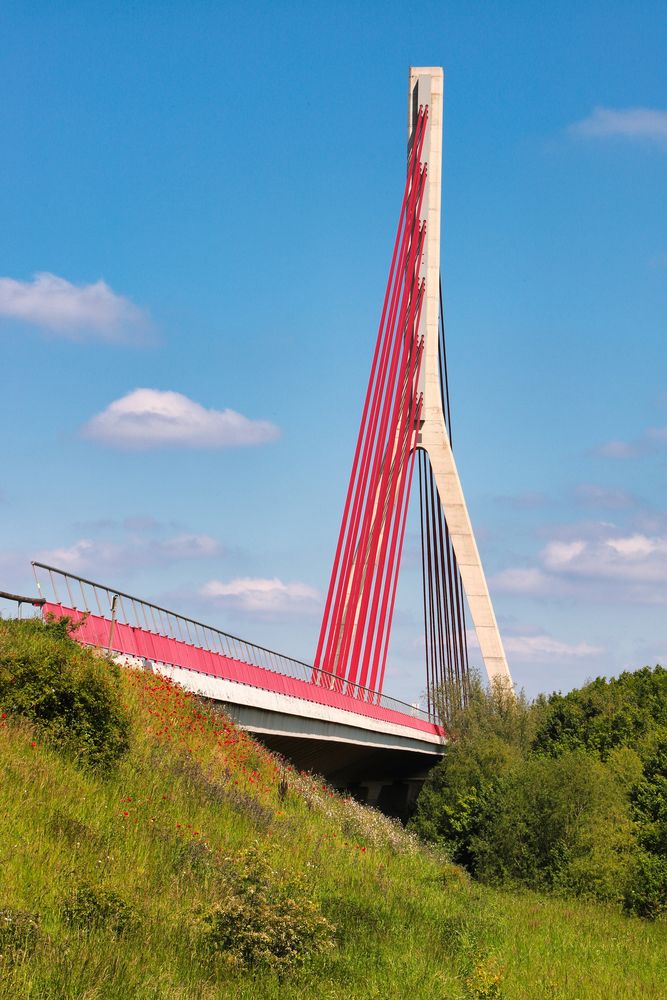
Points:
(19, 933)
(649, 797)
(605, 714)
(68, 691)
(646, 894)
(565, 794)
(92, 907)
(489, 738)
(262, 920)
(557, 824)
(485, 981)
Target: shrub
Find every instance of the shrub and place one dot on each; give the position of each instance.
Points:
(647, 892)
(19, 933)
(262, 920)
(605, 713)
(485, 981)
(68, 691)
(646, 895)
(565, 794)
(649, 797)
(92, 907)
(558, 823)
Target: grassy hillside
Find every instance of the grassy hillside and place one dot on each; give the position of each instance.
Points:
(189, 862)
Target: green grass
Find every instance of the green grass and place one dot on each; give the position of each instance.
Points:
(192, 792)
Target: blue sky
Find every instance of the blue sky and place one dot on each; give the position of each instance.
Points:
(209, 192)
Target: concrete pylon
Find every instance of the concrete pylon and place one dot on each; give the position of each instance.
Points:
(426, 89)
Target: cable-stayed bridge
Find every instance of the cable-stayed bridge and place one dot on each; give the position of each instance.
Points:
(332, 715)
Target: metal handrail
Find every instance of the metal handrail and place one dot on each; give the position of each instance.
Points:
(214, 639)
(20, 600)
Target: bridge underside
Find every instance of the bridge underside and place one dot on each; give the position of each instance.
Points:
(387, 779)
(376, 768)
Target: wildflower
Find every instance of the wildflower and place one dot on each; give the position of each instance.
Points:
(33, 744)
(126, 813)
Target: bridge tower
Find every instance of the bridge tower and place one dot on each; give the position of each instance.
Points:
(407, 415)
(426, 88)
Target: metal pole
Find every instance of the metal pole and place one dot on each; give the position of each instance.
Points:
(113, 621)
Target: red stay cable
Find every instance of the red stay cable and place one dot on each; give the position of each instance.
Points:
(383, 658)
(376, 478)
(363, 420)
(393, 491)
(347, 589)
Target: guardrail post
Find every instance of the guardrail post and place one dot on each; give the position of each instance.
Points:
(113, 621)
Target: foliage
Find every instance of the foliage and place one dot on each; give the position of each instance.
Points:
(71, 694)
(263, 919)
(649, 797)
(556, 824)
(647, 891)
(566, 794)
(488, 740)
(605, 714)
(19, 933)
(494, 711)
(485, 981)
(91, 907)
(161, 832)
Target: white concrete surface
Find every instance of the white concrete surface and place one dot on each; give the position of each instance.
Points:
(426, 88)
(270, 712)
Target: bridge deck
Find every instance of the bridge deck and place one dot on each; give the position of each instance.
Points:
(135, 642)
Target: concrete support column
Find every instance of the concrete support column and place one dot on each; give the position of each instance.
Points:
(426, 89)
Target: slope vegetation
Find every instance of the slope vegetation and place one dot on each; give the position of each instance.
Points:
(150, 849)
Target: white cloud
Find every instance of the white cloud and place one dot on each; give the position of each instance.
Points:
(557, 555)
(629, 558)
(636, 545)
(602, 498)
(151, 418)
(620, 449)
(95, 557)
(603, 564)
(652, 439)
(258, 595)
(521, 580)
(531, 647)
(627, 123)
(538, 645)
(75, 311)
